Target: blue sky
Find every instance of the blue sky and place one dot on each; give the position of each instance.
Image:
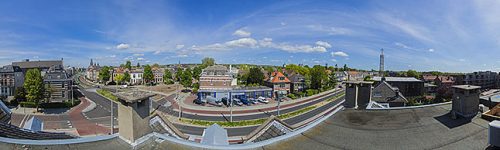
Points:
(448, 35)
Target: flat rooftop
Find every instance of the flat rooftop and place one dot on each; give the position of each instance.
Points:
(133, 96)
(419, 128)
(466, 87)
(398, 79)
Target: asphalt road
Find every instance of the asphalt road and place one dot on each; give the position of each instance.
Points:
(102, 106)
(103, 110)
(246, 130)
(226, 117)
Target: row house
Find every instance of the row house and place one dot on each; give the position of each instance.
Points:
(485, 79)
(158, 75)
(58, 83)
(11, 77)
(92, 72)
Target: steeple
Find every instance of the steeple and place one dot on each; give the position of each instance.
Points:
(91, 62)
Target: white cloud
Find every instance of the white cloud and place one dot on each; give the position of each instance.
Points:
(157, 52)
(431, 50)
(122, 46)
(402, 45)
(334, 60)
(339, 53)
(462, 60)
(179, 46)
(330, 30)
(140, 59)
(324, 44)
(182, 55)
(112, 56)
(268, 42)
(138, 54)
(239, 43)
(264, 43)
(242, 33)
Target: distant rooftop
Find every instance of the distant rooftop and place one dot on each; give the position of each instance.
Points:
(27, 64)
(397, 79)
(359, 82)
(466, 87)
(133, 96)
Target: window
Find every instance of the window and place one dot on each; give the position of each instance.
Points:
(377, 94)
(282, 78)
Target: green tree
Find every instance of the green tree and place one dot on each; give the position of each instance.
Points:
(148, 75)
(317, 76)
(332, 80)
(20, 93)
(138, 65)
(345, 68)
(104, 74)
(120, 78)
(207, 61)
(187, 78)
(128, 65)
(34, 86)
(413, 73)
(368, 78)
(155, 66)
(255, 76)
(167, 77)
(126, 77)
(197, 72)
(178, 75)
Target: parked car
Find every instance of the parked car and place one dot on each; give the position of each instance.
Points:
(252, 100)
(225, 101)
(214, 101)
(237, 102)
(245, 101)
(263, 100)
(199, 102)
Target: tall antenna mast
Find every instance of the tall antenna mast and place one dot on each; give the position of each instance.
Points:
(381, 69)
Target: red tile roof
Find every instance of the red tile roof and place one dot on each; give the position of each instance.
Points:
(429, 77)
(276, 77)
(446, 79)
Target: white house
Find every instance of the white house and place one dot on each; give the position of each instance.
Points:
(136, 77)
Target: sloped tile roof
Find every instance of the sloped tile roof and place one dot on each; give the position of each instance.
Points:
(276, 77)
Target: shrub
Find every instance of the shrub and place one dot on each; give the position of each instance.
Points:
(292, 96)
(28, 104)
